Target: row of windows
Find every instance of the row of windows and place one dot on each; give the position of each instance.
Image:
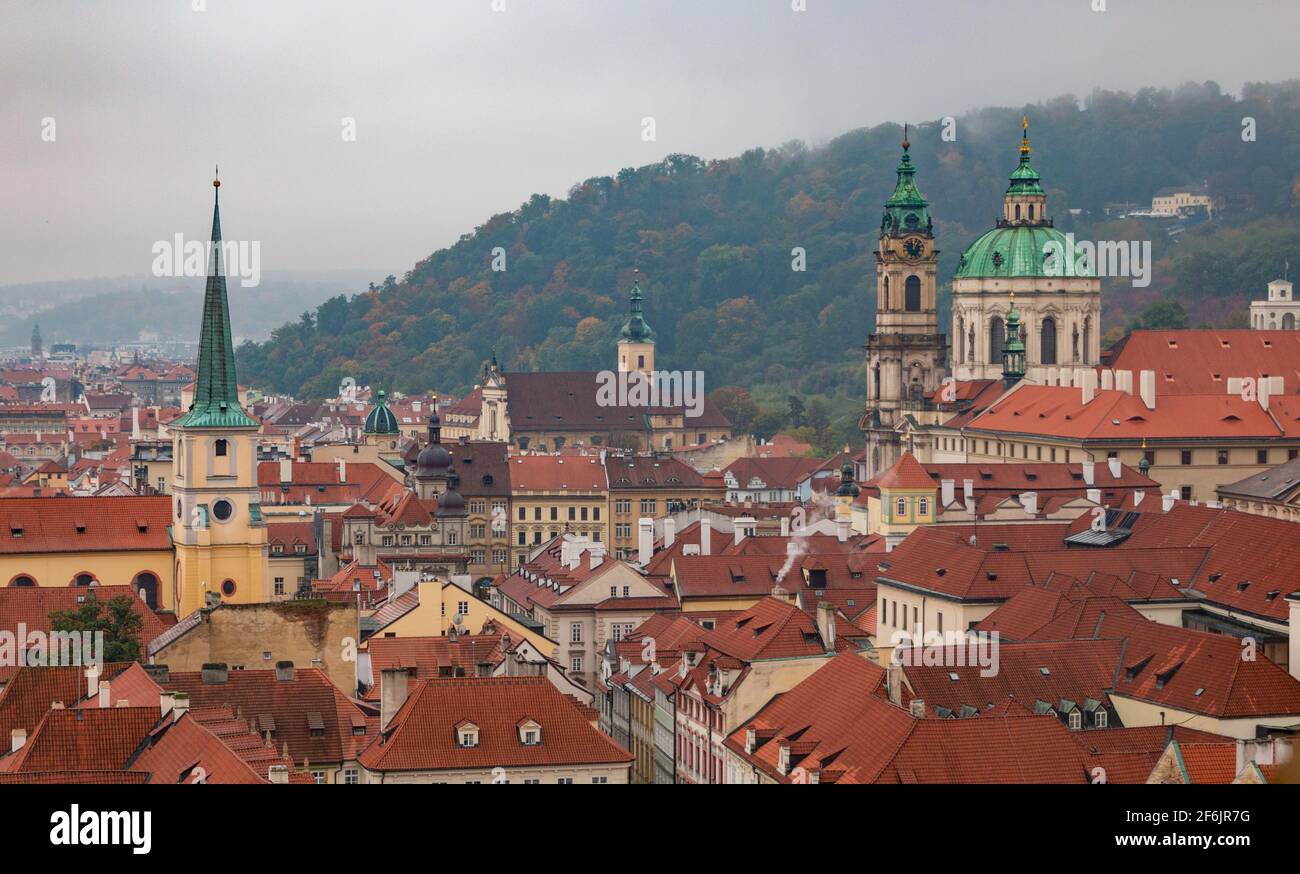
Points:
(450, 538)
(552, 534)
(574, 513)
(889, 615)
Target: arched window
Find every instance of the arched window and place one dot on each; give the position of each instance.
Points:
(146, 586)
(83, 579)
(22, 580)
(997, 336)
(875, 372)
(1048, 341)
(960, 339)
(1087, 339)
(885, 291)
(1031, 212)
(912, 294)
(1288, 322)
(1017, 212)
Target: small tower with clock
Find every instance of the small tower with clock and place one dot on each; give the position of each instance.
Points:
(906, 355)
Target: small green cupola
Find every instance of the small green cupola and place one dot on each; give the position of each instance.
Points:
(906, 210)
(1025, 201)
(848, 488)
(636, 329)
(1013, 350)
(381, 419)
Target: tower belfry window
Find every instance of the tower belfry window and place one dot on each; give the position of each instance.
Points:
(912, 294)
(222, 448)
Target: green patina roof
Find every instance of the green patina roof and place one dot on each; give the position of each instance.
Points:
(1024, 179)
(216, 388)
(1013, 348)
(1020, 250)
(906, 208)
(381, 419)
(636, 329)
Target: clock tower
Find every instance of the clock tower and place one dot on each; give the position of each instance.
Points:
(906, 356)
(218, 533)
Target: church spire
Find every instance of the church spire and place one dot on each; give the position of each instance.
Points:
(635, 329)
(1013, 350)
(906, 208)
(216, 388)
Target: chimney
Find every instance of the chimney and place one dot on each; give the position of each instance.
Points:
(18, 737)
(742, 526)
(826, 624)
(1116, 469)
(968, 494)
(1088, 385)
(166, 702)
(1107, 380)
(1089, 473)
(343, 470)
(1264, 392)
(1138, 495)
(596, 558)
(278, 774)
(1147, 388)
(645, 541)
(1167, 501)
(105, 694)
(916, 707)
(842, 530)
(394, 684)
(706, 532)
(947, 491)
(286, 471)
(284, 672)
(1124, 381)
(1094, 495)
(180, 705)
(670, 532)
(1029, 500)
(1293, 634)
(214, 673)
(894, 677)
(785, 526)
(135, 422)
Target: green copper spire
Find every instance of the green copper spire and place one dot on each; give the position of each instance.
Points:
(1013, 350)
(1024, 179)
(635, 329)
(216, 388)
(906, 208)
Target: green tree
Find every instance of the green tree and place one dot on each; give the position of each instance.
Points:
(116, 618)
(736, 404)
(1164, 314)
(796, 411)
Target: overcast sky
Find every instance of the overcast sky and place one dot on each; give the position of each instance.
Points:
(462, 111)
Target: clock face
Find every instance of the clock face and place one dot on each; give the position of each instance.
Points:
(914, 248)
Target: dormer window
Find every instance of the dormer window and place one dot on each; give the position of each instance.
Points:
(467, 735)
(530, 733)
(1076, 720)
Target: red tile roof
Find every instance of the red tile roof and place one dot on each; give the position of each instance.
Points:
(907, 473)
(1201, 361)
(85, 525)
(554, 473)
(422, 735)
(89, 739)
(430, 658)
(776, 472)
(29, 694)
(287, 704)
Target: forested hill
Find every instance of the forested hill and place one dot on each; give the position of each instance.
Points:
(713, 240)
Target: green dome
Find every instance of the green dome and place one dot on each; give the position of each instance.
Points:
(1019, 250)
(381, 419)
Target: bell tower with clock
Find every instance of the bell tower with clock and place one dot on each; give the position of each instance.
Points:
(906, 356)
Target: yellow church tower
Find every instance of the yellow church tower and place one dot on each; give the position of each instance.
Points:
(636, 344)
(218, 531)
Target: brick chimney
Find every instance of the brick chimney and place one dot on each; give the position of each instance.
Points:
(706, 536)
(826, 624)
(215, 673)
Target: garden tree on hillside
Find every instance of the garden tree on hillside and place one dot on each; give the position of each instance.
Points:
(115, 617)
(736, 404)
(1163, 315)
(715, 241)
(796, 411)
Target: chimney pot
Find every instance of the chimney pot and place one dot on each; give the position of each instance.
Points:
(18, 738)
(394, 686)
(706, 536)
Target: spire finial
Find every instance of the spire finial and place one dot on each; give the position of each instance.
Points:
(216, 176)
(1024, 136)
(906, 144)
